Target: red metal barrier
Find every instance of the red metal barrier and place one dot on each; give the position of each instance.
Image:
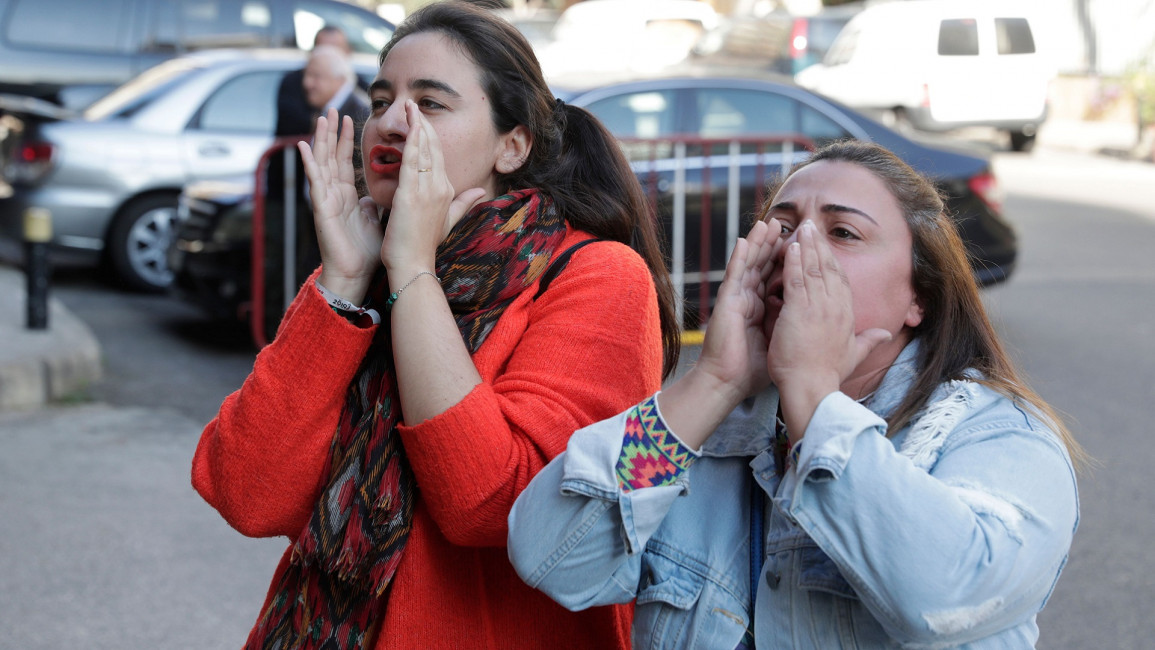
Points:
(257, 269)
(743, 163)
(657, 162)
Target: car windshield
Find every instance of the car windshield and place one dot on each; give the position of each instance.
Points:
(127, 99)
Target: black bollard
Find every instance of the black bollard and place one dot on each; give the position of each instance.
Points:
(37, 235)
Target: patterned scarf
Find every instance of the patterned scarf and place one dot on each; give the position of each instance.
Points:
(333, 592)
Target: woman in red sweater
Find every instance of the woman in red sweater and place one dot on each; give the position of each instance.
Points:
(425, 373)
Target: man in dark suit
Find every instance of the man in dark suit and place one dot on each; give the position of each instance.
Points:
(327, 81)
(294, 115)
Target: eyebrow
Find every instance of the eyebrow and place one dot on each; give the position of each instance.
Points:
(416, 84)
(787, 206)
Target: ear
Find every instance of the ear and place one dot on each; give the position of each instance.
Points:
(914, 313)
(513, 150)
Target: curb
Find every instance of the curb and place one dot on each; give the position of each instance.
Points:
(42, 366)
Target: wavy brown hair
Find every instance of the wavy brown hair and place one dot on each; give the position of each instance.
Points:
(573, 159)
(955, 331)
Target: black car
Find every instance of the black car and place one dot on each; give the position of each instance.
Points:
(752, 127)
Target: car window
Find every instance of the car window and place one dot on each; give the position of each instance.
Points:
(1014, 36)
(365, 32)
(142, 89)
(647, 114)
(820, 128)
(199, 24)
(842, 49)
(246, 103)
(90, 26)
(822, 33)
(725, 112)
(958, 37)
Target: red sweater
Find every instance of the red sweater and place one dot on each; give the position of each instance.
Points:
(588, 348)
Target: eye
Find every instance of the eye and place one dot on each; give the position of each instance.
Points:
(787, 227)
(429, 104)
(843, 233)
(379, 105)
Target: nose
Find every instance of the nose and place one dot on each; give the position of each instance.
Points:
(393, 124)
(780, 250)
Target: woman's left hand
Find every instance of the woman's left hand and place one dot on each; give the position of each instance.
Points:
(425, 206)
(814, 347)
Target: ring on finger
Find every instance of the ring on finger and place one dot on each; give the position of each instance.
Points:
(427, 169)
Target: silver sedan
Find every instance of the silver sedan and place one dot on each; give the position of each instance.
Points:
(111, 176)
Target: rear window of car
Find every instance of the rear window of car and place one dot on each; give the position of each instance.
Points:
(1014, 36)
(646, 114)
(724, 113)
(67, 25)
(246, 104)
(137, 93)
(958, 37)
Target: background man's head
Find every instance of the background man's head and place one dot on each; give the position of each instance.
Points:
(331, 35)
(327, 71)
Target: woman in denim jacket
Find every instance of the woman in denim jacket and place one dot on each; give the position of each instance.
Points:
(853, 462)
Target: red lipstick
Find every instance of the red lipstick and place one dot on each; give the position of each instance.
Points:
(385, 161)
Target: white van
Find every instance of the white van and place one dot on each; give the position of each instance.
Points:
(939, 65)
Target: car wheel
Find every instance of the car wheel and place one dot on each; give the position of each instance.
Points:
(1021, 141)
(139, 240)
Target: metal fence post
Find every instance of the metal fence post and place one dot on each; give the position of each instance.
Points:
(289, 243)
(37, 235)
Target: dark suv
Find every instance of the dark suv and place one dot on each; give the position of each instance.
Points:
(71, 52)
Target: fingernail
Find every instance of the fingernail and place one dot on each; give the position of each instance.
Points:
(808, 224)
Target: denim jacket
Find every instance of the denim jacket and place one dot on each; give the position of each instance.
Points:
(951, 532)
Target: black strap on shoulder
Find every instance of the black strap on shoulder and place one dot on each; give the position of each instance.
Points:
(558, 265)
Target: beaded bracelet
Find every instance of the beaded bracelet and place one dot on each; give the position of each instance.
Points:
(397, 294)
(345, 308)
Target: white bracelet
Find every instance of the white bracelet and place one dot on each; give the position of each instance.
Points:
(344, 307)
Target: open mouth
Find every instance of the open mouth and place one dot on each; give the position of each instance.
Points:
(385, 160)
(774, 295)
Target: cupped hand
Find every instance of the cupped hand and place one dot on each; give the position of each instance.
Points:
(348, 229)
(814, 347)
(425, 206)
(734, 351)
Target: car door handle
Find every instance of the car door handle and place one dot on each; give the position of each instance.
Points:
(214, 150)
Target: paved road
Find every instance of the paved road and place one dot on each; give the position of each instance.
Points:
(1080, 315)
(105, 546)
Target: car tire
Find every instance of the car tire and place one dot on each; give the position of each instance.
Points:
(1022, 142)
(138, 242)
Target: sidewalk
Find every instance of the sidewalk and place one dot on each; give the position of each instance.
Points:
(1109, 138)
(41, 366)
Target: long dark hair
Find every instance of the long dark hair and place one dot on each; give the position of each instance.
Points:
(956, 332)
(573, 159)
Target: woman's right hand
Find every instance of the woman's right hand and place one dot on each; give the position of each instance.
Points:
(735, 347)
(732, 365)
(349, 229)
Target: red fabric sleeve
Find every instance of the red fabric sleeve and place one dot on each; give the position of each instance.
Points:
(260, 461)
(588, 348)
